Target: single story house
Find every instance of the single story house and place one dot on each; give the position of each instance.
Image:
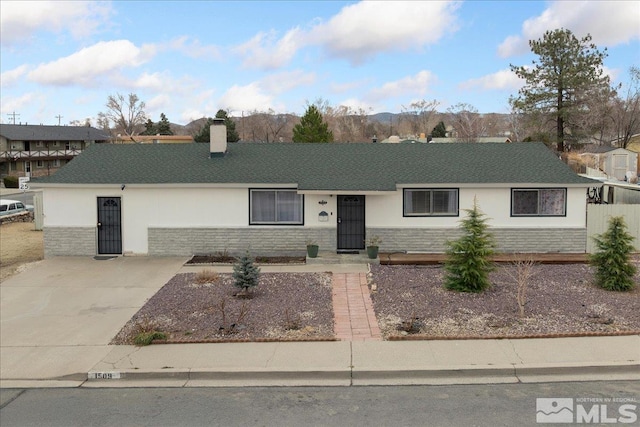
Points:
(184, 199)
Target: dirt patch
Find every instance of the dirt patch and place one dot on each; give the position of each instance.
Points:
(284, 306)
(561, 299)
(20, 245)
(226, 259)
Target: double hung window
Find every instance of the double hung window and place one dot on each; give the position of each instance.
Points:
(275, 207)
(538, 202)
(430, 202)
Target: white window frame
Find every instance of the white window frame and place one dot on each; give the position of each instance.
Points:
(454, 199)
(276, 221)
(539, 208)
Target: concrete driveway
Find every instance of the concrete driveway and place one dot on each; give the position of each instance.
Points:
(58, 316)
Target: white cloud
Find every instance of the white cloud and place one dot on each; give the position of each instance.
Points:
(609, 23)
(193, 49)
(410, 85)
(503, 79)
(265, 52)
(285, 81)
(89, 64)
(19, 20)
(357, 105)
(357, 33)
(12, 76)
(362, 30)
(246, 98)
(10, 104)
(157, 105)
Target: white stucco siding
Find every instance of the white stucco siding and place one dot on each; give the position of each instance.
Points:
(313, 208)
(495, 203)
(73, 207)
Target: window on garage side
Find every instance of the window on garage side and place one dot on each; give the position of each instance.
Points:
(430, 202)
(538, 202)
(276, 207)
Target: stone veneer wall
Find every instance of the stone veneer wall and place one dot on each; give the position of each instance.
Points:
(291, 240)
(69, 241)
(257, 240)
(75, 241)
(532, 240)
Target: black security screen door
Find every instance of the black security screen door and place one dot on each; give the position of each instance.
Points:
(350, 223)
(109, 228)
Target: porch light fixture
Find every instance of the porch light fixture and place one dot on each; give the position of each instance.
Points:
(323, 216)
(123, 186)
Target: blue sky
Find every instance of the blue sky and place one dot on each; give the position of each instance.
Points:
(189, 59)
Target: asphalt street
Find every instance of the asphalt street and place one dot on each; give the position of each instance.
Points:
(456, 405)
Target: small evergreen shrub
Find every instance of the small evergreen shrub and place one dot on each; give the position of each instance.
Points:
(11, 182)
(245, 274)
(468, 260)
(614, 270)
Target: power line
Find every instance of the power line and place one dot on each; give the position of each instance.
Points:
(13, 116)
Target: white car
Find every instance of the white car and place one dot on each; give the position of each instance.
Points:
(8, 207)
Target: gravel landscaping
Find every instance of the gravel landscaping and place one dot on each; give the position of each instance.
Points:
(409, 301)
(284, 306)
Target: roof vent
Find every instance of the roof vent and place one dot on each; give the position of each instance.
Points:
(217, 138)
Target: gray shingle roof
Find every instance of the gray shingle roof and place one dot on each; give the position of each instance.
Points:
(346, 167)
(51, 133)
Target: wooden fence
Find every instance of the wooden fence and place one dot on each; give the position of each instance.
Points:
(598, 221)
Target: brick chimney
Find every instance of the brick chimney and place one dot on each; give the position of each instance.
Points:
(217, 138)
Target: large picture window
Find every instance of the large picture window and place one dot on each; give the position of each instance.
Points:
(275, 207)
(539, 202)
(430, 202)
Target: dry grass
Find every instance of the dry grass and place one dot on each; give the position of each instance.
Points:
(19, 244)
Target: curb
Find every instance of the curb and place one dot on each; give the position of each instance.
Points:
(354, 377)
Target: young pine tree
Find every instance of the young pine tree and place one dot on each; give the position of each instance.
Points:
(614, 270)
(469, 258)
(245, 274)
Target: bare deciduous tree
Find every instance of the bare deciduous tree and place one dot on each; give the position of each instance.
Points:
(626, 114)
(420, 116)
(522, 276)
(468, 125)
(127, 114)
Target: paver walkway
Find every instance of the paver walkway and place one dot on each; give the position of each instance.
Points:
(354, 319)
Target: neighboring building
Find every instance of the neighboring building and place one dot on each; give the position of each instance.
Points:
(37, 150)
(185, 199)
(394, 139)
(613, 162)
(154, 139)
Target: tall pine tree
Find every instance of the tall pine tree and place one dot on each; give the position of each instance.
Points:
(164, 126)
(232, 134)
(560, 83)
(312, 128)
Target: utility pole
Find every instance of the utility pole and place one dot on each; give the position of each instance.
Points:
(59, 117)
(13, 116)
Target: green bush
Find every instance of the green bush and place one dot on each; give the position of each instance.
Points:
(614, 270)
(146, 338)
(11, 181)
(468, 260)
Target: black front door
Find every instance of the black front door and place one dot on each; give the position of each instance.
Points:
(109, 228)
(350, 223)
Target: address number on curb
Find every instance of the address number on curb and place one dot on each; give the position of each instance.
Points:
(103, 375)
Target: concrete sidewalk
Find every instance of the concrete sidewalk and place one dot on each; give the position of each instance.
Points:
(57, 317)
